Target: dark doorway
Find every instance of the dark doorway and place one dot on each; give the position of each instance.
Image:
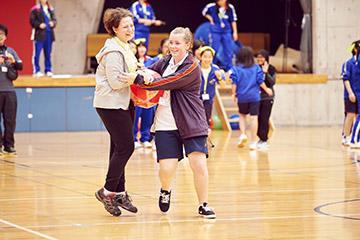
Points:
(266, 16)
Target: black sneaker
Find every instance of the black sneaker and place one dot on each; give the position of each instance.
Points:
(10, 150)
(206, 212)
(109, 202)
(164, 200)
(124, 201)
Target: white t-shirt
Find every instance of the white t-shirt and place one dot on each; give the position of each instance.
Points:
(164, 118)
(46, 11)
(206, 72)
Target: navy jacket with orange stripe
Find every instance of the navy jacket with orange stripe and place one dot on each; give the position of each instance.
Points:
(186, 105)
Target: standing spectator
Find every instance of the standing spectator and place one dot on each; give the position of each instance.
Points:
(144, 18)
(223, 29)
(267, 101)
(43, 22)
(351, 83)
(10, 63)
(247, 78)
(351, 78)
(211, 74)
(145, 114)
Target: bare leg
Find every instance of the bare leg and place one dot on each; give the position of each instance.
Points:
(198, 166)
(242, 122)
(348, 123)
(254, 128)
(167, 172)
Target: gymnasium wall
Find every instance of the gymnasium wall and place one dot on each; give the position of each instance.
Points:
(16, 17)
(309, 104)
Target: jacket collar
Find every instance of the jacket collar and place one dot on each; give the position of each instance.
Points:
(188, 59)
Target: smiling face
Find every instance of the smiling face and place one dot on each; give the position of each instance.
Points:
(260, 59)
(178, 46)
(206, 58)
(125, 30)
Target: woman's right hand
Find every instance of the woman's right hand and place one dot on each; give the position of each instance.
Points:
(269, 92)
(352, 97)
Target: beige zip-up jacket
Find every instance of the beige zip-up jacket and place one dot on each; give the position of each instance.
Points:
(110, 92)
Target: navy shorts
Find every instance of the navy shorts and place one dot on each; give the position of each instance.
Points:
(251, 108)
(169, 144)
(350, 107)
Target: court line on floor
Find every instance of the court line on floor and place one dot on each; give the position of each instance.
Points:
(185, 193)
(27, 230)
(197, 219)
(319, 210)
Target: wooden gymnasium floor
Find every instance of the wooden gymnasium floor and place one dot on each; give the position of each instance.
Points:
(307, 186)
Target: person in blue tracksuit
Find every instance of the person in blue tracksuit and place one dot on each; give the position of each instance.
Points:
(222, 17)
(43, 22)
(351, 77)
(211, 74)
(144, 17)
(247, 79)
(145, 114)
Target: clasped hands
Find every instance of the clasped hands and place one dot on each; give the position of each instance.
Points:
(130, 77)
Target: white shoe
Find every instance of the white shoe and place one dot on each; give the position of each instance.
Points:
(355, 145)
(147, 144)
(38, 74)
(242, 140)
(49, 74)
(262, 145)
(253, 146)
(346, 141)
(137, 145)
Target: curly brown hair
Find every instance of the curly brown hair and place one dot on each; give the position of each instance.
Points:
(112, 18)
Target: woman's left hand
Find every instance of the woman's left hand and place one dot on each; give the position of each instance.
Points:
(147, 77)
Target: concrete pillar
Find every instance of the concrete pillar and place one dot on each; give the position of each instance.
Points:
(335, 26)
(76, 19)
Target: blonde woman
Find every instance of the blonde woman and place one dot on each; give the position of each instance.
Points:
(180, 120)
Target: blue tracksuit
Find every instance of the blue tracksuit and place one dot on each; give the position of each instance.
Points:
(221, 31)
(208, 87)
(142, 31)
(247, 81)
(351, 72)
(146, 115)
(45, 44)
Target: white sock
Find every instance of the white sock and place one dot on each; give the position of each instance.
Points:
(107, 193)
(121, 193)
